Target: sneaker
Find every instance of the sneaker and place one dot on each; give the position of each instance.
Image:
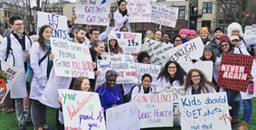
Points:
(22, 127)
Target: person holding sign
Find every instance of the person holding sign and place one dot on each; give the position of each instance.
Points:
(41, 65)
(109, 92)
(183, 34)
(204, 34)
(145, 87)
(158, 35)
(112, 45)
(177, 40)
(172, 75)
(197, 83)
(121, 17)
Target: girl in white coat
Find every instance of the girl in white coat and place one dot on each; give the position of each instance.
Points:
(197, 83)
(121, 17)
(39, 80)
(172, 75)
(145, 87)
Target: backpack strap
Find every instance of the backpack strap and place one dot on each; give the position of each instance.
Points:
(139, 86)
(29, 39)
(46, 54)
(8, 47)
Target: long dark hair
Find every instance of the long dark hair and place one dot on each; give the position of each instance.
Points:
(78, 82)
(203, 82)
(41, 38)
(213, 58)
(117, 49)
(231, 48)
(179, 74)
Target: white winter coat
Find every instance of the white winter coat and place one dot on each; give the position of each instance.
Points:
(120, 20)
(18, 89)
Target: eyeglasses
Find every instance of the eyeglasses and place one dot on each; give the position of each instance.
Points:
(225, 45)
(194, 76)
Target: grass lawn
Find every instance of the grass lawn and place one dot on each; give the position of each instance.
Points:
(9, 122)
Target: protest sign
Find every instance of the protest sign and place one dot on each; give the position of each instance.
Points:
(204, 112)
(155, 110)
(71, 59)
(81, 110)
(103, 65)
(123, 117)
(130, 42)
(250, 32)
(164, 14)
(139, 10)
(192, 49)
(234, 71)
(157, 51)
(8, 75)
(57, 22)
(205, 66)
(93, 12)
(151, 69)
(100, 79)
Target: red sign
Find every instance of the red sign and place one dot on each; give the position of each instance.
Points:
(234, 71)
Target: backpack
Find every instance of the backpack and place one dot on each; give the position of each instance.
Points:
(128, 96)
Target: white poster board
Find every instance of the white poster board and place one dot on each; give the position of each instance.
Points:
(157, 51)
(8, 75)
(164, 15)
(57, 22)
(139, 11)
(250, 32)
(71, 59)
(155, 110)
(82, 110)
(123, 117)
(192, 49)
(93, 12)
(204, 112)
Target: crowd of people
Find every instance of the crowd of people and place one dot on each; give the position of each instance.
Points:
(35, 53)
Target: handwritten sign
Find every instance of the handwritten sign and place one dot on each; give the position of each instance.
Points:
(204, 112)
(57, 22)
(71, 59)
(151, 69)
(82, 110)
(250, 32)
(103, 65)
(139, 10)
(164, 15)
(205, 66)
(123, 117)
(155, 110)
(234, 71)
(157, 51)
(130, 42)
(192, 49)
(93, 12)
(8, 75)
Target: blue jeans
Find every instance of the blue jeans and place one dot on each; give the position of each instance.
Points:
(247, 110)
(231, 101)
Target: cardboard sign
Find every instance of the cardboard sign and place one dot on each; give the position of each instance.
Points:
(164, 15)
(192, 49)
(57, 22)
(82, 110)
(123, 117)
(71, 59)
(93, 12)
(151, 69)
(157, 51)
(204, 112)
(250, 32)
(103, 65)
(155, 110)
(130, 42)
(234, 71)
(8, 75)
(205, 66)
(139, 10)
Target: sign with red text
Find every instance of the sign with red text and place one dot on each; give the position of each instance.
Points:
(8, 75)
(164, 14)
(234, 71)
(93, 12)
(71, 59)
(155, 110)
(57, 22)
(123, 117)
(81, 110)
(192, 49)
(204, 112)
(139, 10)
(158, 51)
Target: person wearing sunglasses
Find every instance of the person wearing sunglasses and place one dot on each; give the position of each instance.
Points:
(109, 92)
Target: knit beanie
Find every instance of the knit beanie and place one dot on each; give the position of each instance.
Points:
(204, 29)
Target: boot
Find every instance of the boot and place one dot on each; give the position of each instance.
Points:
(46, 127)
(243, 126)
(235, 120)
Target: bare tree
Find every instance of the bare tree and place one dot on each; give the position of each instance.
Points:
(238, 10)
